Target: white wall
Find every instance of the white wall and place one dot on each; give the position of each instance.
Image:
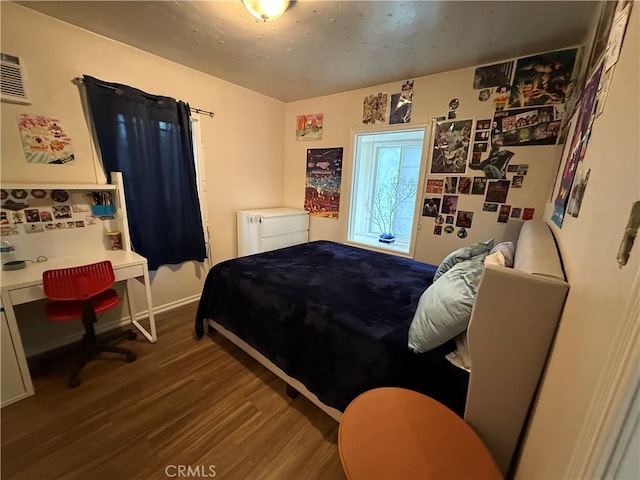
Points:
(240, 173)
(600, 290)
(343, 115)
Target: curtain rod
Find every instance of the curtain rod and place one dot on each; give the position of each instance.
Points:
(80, 81)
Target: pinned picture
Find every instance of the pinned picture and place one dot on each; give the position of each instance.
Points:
(490, 207)
(448, 229)
(32, 215)
(522, 169)
(400, 108)
(483, 124)
(309, 127)
(449, 204)
(482, 136)
(407, 85)
(454, 104)
(4, 220)
(33, 227)
(515, 212)
(464, 185)
(435, 185)
(437, 230)
(452, 114)
(322, 186)
(479, 185)
(484, 94)
(464, 219)
(462, 233)
(431, 207)
(450, 149)
(46, 216)
(61, 211)
(17, 217)
(439, 220)
(495, 165)
(512, 168)
(496, 75)
(542, 79)
(527, 126)
(44, 140)
(480, 147)
(527, 213)
(517, 181)
(577, 192)
(476, 158)
(374, 109)
(503, 215)
(450, 184)
(449, 220)
(497, 191)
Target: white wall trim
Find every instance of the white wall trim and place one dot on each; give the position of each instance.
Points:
(611, 402)
(101, 327)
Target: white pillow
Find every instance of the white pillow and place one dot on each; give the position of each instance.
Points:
(496, 258)
(508, 249)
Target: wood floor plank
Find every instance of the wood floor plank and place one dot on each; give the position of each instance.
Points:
(198, 403)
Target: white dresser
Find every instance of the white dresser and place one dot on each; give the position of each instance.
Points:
(267, 229)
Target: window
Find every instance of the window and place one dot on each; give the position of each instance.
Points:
(386, 172)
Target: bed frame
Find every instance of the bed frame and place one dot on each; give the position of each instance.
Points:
(512, 327)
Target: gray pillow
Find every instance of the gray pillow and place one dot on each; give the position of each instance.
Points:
(462, 254)
(508, 250)
(444, 308)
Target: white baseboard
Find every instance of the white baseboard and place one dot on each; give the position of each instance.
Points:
(101, 327)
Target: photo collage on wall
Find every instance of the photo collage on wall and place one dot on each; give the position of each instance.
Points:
(36, 210)
(528, 96)
(453, 152)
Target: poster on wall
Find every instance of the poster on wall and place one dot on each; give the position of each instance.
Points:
(577, 146)
(497, 75)
(527, 126)
(542, 79)
(451, 140)
(322, 188)
(44, 140)
(309, 127)
(401, 108)
(374, 109)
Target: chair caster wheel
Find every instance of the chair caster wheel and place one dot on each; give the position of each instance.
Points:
(74, 382)
(131, 335)
(131, 357)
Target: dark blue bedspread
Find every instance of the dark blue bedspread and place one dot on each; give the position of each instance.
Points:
(334, 317)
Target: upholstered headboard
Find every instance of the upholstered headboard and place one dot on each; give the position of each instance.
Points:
(512, 326)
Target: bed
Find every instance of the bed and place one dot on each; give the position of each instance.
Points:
(332, 321)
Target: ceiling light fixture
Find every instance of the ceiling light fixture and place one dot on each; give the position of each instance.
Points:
(266, 10)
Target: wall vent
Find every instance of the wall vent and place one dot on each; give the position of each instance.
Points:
(12, 78)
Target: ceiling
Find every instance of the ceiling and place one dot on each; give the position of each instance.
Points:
(322, 47)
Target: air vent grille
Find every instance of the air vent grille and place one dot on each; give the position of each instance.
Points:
(12, 88)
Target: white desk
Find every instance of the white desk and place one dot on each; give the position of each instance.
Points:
(23, 286)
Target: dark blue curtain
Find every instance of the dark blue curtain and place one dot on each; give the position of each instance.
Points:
(148, 139)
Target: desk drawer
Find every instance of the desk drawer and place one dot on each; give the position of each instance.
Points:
(128, 272)
(36, 292)
(27, 294)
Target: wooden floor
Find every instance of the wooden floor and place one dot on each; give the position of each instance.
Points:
(199, 404)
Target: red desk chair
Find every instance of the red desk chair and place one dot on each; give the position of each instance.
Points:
(80, 293)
